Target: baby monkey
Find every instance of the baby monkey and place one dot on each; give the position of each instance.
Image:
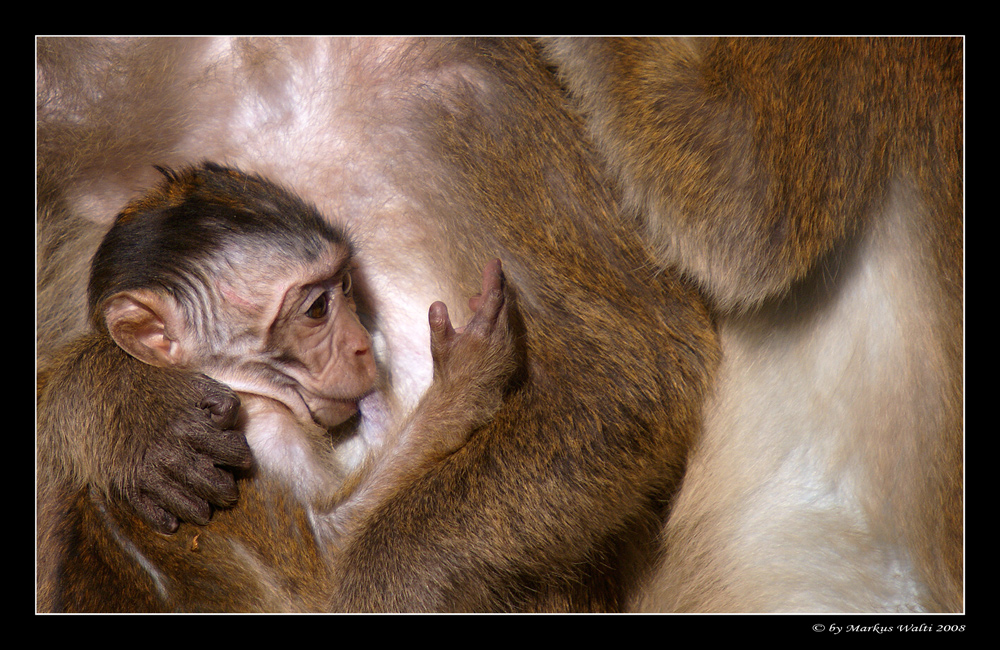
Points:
(226, 274)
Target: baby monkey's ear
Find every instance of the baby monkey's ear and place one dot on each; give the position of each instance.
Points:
(149, 326)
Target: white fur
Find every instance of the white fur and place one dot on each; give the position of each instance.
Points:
(814, 426)
(296, 121)
(782, 505)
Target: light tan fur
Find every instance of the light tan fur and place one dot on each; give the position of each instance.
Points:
(810, 188)
(813, 188)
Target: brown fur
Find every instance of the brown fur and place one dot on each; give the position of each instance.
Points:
(789, 176)
(73, 400)
(812, 188)
(555, 504)
(272, 548)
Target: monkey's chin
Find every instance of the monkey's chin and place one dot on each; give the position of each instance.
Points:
(334, 412)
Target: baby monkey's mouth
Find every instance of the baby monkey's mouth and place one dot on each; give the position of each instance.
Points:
(329, 412)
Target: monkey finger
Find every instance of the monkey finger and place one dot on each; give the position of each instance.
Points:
(494, 284)
(484, 321)
(492, 279)
(215, 485)
(218, 399)
(156, 517)
(442, 331)
(189, 485)
(183, 505)
(168, 485)
(492, 276)
(223, 410)
(228, 448)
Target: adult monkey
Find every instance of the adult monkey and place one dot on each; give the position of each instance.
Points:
(757, 124)
(814, 189)
(437, 155)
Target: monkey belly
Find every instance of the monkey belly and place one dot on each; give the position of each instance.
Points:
(820, 415)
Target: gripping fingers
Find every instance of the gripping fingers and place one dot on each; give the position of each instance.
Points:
(223, 409)
(184, 505)
(218, 440)
(158, 519)
(227, 448)
(217, 486)
(488, 304)
(462, 352)
(441, 328)
(442, 333)
(162, 503)
(485, 320)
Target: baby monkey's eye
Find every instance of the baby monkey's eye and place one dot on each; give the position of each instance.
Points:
(321, 305)
(319, 308)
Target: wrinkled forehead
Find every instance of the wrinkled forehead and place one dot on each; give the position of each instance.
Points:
(256, 277)
(267, 257)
